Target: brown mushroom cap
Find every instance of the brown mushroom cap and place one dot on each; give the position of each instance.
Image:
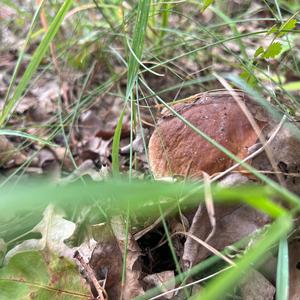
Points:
(175, 149)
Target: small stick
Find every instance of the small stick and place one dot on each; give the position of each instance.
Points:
(91, 276)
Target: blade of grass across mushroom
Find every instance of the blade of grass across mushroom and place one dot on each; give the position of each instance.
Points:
(255, 126)
(289, 196)
(255, 255)
(256, 96)
(35, 61)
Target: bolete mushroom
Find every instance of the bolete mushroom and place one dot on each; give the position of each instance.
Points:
(175, 149)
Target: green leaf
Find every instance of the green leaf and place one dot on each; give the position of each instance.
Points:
(273, 29)
(41, 275)
(292, 86)
(248, 77)
(273, 50)
(54, 230)
(259, 51)
(206, 4)
(286, 27)
(116, 144)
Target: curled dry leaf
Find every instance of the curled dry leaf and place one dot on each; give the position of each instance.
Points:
(175, 149)
(165, 280)
(133, 286)
(285, 148)
(106, 261)
(256, 287)
(232, 224)
(9, 155)
(294, 266)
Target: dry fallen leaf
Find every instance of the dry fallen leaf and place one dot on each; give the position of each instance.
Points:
(232, 224)
(133, 286)
(163, 280)
(256, 287)
(294, 266)
(285, 148)
(9, 155)
(106, 261)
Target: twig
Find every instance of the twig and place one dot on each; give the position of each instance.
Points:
(91, 276)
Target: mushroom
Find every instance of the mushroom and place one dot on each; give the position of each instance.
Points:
(175, 149)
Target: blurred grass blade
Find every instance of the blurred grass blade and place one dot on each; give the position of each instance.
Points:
(26, 136)
(282, 275)
(35, 61)
(217, 288)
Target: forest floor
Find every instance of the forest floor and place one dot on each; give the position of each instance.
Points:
(77, 113)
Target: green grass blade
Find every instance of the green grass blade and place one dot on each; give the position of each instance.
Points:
(282, 276)
(133, 66)
(137, 43)
(225, 282)
(26, 136)
(35, 61)
(116, 144)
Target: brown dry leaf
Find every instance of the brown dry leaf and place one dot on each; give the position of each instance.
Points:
(137, 143)
(9, 155)
(133, 286)
(106, 261)
(46, 94)
(232, 224)
(162, 280)
(285, 148)
(257, 287)
(175, 149)
(87, 168)
(6, 12)
(97, 148)
(25, 104)
(90, 124)
(48, 161)
(294, 259)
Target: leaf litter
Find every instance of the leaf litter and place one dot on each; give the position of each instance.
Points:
(85, 150)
